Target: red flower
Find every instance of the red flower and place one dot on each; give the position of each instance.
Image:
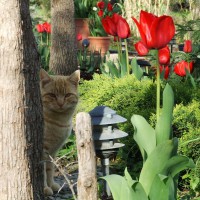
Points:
(109, 26)
(141, 49)
(187, 46)
(79, 37)
(47, 27)
(100, 13)
(181, 67)
(166, 73)
(155, 32)
(40, 28)
(101, 4)
(123, 29)
(109, 7)
(164, 56)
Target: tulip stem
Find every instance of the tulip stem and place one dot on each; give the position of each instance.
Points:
(118, 49)
(127, 60)
(158, 86)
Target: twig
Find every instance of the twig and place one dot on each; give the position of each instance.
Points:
(66, 178)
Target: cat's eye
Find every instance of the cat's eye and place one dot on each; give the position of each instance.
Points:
(52, 95)
(68, 95)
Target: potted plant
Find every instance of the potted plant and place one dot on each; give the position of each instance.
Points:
(99, 38)
(82, 10)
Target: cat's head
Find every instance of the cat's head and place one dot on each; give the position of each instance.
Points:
(59, 93)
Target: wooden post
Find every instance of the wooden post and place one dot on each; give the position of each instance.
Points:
(87, 181)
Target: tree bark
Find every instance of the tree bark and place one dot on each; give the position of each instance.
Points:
(63, 58)
(87, 181)
(21, 127)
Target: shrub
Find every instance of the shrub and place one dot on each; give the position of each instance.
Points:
(127, 96)
(187, 125)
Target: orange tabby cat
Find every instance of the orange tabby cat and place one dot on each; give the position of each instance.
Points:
(59, 99)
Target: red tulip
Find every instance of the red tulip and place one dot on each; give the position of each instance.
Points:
(40, 28)
(109, 7)
(181, 67)
(79, 37)
(156, 32)
(47, 27)
(141, 49)
(101, 4)
(123, 29)
(187, 46)
(164, 56)
(100, 13)
(109, 26)
(166, 69)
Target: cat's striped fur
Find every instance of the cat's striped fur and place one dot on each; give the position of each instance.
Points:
(59, 98)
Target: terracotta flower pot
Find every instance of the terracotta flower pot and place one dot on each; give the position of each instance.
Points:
(100, 44)
(82, 27)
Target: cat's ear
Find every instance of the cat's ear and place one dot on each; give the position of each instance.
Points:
(44, 77)
(75, 77)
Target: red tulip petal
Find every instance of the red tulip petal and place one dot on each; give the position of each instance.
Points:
(146, 21)
(187, 46)
(142, 35)
(166, 71)
(109, 26)
(123, 29)
(162, 31)
(141, 49)
(180, 68)
(164, 56)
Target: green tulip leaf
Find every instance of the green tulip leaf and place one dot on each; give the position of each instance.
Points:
(128, 178)
(144, 135)
(123, 65)
(156, 162)
(164, 124)
(137, 70)
(121, 190)
(176, 164)
(113, 69)
(139, 192)
(159, 190)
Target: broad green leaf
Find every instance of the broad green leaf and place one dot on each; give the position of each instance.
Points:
(137, 70)
(119, 187)
(156, 162)
(144, 135)
(172, 186)
(123, 65)
(128, 178)
(176, 164)
(163, 127)
(139, 192)
(113, 69)
(159, 190)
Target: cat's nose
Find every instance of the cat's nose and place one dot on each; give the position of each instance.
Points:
(60, 103)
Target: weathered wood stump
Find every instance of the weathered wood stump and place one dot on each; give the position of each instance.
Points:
(87, 181)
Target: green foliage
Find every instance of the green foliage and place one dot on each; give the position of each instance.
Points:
(83, 8)
(161, 165)
(186, 124)
(95, 25)
(40, 11)
(189, 29)
(126, 96)
(116, 68)
(89, 61)
(69, 150)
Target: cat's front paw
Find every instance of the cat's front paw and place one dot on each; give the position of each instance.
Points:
(55, 187)
(48, 191)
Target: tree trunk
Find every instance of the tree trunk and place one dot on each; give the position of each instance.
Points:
(87, 181)
(63, 58)
(21, 127)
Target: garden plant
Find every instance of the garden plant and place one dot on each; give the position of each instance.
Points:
(160, 171)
